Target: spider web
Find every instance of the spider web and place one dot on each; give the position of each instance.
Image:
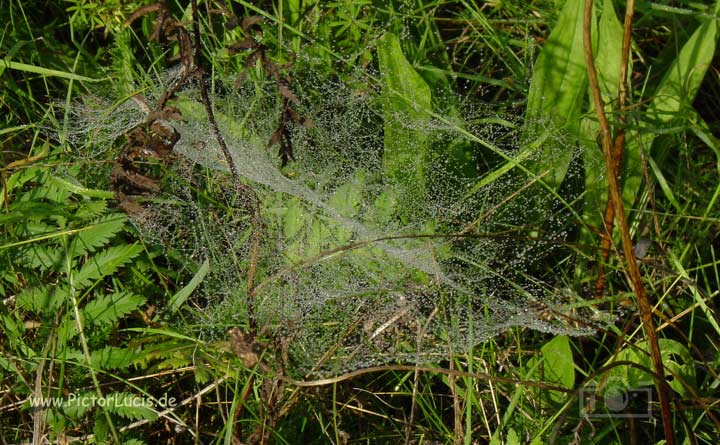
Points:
(356, 268)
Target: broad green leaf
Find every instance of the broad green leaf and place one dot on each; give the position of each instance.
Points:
(105, 263)
(294, 218)
(557, 91)
(406, 103)
(555, 366)
(678, 362)
(558, 365)
(307, 235)
(682, 80)
(347, 200)
(179, 298)
(609, 52)
(702, 130)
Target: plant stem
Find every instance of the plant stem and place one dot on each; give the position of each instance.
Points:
(618, 144)
(250, 199)
(633, 271)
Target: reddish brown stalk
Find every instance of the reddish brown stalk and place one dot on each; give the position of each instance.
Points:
(633, 271)
(619, 145)
(248, 194)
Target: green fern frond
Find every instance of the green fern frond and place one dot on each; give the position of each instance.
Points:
(90, 209)
(78, 405)
(22, 211)
(49, 191)
(105, 263)
(12, 326)
(130, 406)
(112, 357)
(176, 354)
(43, 300)
(107, 309)
(67, 330)
(175, 362)
(33, 226)
(69, 355)
(99, 233)
(41, 257)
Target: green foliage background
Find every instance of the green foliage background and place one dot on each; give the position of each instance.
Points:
(91, 308)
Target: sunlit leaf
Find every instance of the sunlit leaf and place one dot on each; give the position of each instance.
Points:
(557, 91)
(406, 102)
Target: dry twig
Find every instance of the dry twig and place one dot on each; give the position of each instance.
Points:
(633, 271)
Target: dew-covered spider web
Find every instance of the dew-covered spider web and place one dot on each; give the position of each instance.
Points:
(356, 267)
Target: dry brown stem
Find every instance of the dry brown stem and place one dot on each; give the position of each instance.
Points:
(633, 271)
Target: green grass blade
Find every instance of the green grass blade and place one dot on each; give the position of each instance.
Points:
(15, 128)
(46, 71)
(182, 295)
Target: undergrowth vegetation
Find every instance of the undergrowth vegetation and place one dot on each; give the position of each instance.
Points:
(359, 222)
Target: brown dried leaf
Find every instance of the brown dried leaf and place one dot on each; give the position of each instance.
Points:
(129, 206)
(167, 114)
(286, 92)
(242, 345)
(246, 44)
(249, 22)
(232, 23)
(276, 136)
(141, 182)
(294, 116)
(158, 27)
(143, 10)
(240, 81)
(300, 119)
(252, 58)
(186, 50)
(286, 151)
